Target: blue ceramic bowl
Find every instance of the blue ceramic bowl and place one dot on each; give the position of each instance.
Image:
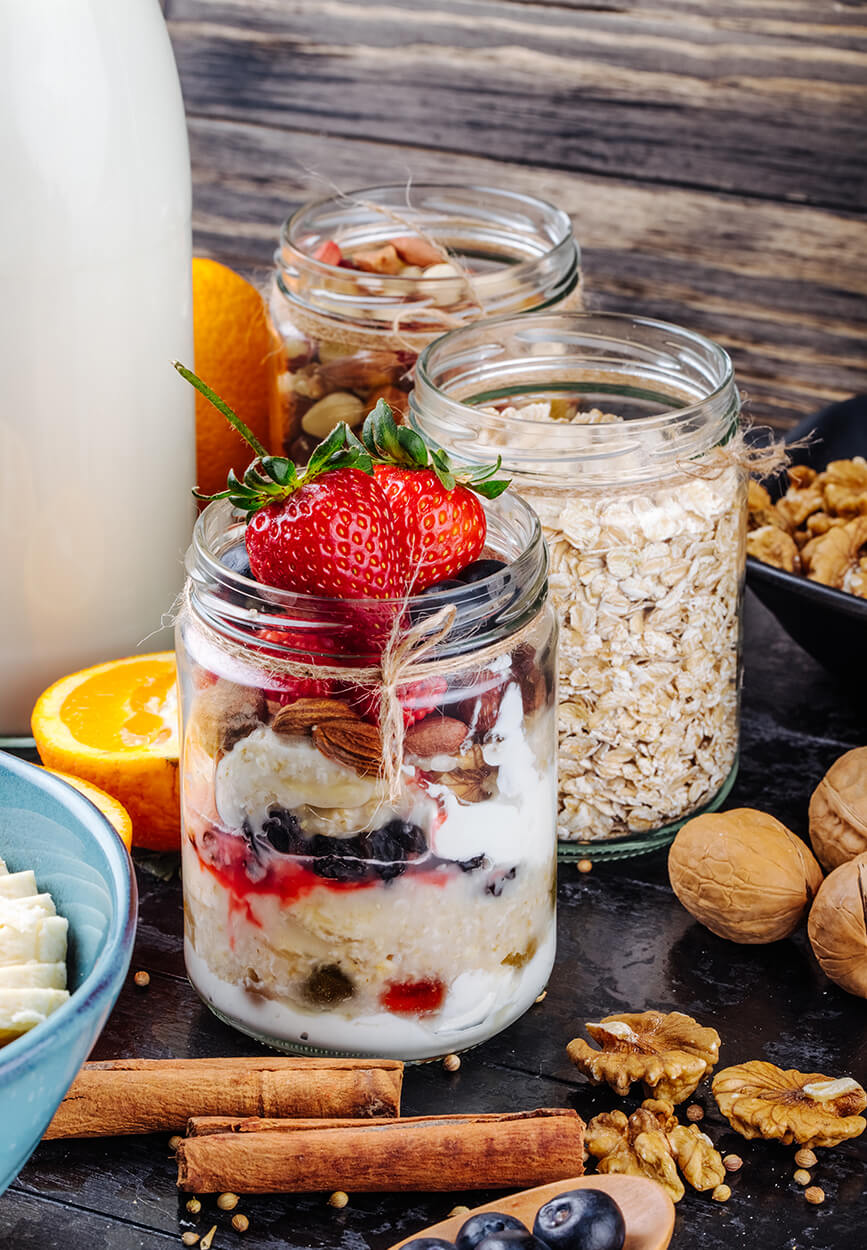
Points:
(48, 826)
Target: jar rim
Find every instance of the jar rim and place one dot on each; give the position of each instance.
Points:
(498, 604)
(691, 428)
(292, 224)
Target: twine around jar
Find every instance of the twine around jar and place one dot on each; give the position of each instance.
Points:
(402, 662)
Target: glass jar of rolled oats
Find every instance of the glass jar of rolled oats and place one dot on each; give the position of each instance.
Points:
(623, 434)
(363, 282)
(348, 888)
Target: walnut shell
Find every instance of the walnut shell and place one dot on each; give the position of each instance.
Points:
(837, 926)
(743, 875)
(838, 811)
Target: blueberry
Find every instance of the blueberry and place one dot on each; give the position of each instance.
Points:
(498, 884)
(511, 1239)
(283, 832)
(582, 1219)
(474, 864)
(448, 583)
(483, 1225)
(479, 569)
(339, 868)
(428, 1243)
(236, 559)
(395, 842)
(328, 984)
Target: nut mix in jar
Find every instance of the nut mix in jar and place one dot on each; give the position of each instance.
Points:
(363, 282)
(623, 434)
(337, 899)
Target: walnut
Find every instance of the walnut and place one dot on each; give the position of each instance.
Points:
(834, 558)
(223, 713)
(844, 485)
(472, 780)
(697, 1157)
(797, 503)
(761, 1100)
(838, 811)
(743, 875)
(821, 522)
(760, 508)
(774, 546)
(669, 1053)
(801, 476)
(662, 1110)
(837, 926)
(625, 1149)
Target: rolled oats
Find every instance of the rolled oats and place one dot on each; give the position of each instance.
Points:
(647, 585)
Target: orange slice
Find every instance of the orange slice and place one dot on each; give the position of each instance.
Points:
(116, 726)
(114, 812)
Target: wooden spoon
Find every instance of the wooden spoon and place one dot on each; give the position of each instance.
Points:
(648, 1212)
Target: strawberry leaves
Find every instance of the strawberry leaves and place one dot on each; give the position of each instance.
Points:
(392, 444)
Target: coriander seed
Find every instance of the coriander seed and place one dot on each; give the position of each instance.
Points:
(458, 1211)
(694, 1112)
(208, 1238)
(174, 1142)
(584, 865)
(540, 998)
(194, 1206)
(802, 1176)
(227, 1202)
(814, 1194)
(338, 1199)
(240, 1223)
(805, 1158)
(142, 979)
(451, 1063)
(722, 1193)
(189, 1238)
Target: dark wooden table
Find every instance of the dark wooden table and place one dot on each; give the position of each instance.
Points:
(624, 944)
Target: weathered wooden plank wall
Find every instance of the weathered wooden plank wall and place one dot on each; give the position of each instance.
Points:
(712, 155)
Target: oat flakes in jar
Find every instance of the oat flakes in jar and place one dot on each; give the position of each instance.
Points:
(623, 434)
(363, 282)
(339, 899)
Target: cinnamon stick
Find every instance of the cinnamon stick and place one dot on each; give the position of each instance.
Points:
(419, 1153)
(120, 1096)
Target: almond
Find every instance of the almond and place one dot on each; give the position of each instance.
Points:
(354, 743)
(329, 411)
(480, 711)
(363, 372)
(378, 260)
(302, 716)
(397, 400)
(435, 735)
(415, 251)
(534, 690)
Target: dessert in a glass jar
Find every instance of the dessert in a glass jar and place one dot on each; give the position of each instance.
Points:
(369, 762)
(364, 281)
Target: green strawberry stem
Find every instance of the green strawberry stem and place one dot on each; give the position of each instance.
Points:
(389, 443)
(278, 478)
(221, 406)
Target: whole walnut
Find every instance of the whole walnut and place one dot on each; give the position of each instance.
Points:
(838, 811)
(744, 875)
(837, 926)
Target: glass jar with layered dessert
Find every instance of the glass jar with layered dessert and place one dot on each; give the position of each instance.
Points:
(363, 282)
(623, 434)
(369, 799)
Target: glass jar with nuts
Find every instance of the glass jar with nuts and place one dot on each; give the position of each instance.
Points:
(356, 883)
(363, 282)
(623, 434)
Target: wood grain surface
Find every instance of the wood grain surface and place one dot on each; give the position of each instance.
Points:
(712, 156)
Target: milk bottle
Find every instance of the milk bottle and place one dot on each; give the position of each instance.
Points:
(97, 450)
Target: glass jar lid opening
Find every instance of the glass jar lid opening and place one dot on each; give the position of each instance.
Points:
(230, 601)
(588, 397)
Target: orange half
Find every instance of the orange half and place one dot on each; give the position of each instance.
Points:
(116, 727)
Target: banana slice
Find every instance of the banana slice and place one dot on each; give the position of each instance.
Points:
(34, 976)
(33, 937)
(32, 905)
(18, 884)
(23, 1009)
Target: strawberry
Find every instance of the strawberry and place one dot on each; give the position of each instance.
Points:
(438, 516)
(326, 531)
(417, 698)
(287, 689)
(329, 253)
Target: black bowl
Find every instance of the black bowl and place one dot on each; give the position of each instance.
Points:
(829, 624)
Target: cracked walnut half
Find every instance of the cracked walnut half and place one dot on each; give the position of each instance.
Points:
(668, 1052)
(761, 1100)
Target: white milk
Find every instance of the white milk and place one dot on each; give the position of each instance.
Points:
(97, 446)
